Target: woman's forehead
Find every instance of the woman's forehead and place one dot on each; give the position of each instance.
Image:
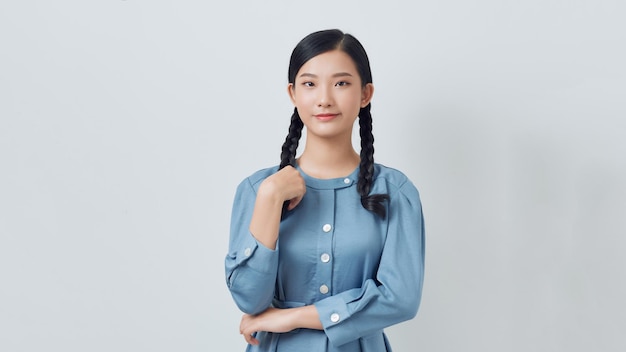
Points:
(330, 63)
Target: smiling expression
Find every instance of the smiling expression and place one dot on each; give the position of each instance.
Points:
(328, 94)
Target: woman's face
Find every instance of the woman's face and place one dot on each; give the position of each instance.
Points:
(328, 95)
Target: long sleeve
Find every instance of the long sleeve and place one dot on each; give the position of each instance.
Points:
(250, 267)
(363, 273)
(394, 294)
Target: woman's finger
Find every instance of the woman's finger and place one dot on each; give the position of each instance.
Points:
(250, 339)
(245, 329)
(294, 202)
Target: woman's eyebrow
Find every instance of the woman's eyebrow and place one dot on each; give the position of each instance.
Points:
(338, 74)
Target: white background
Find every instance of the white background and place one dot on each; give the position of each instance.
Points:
(125, 127)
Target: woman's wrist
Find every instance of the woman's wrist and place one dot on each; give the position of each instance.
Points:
(306, 318)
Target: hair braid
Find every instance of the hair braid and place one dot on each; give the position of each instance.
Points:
(288, 155)
(372, 202)
(290, 147)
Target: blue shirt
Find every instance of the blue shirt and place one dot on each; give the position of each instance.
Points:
(363, 273)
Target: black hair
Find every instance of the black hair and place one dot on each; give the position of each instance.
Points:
(310, 46)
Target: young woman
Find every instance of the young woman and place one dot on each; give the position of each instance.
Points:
(326, 250)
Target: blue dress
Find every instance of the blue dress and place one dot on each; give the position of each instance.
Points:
(363, 273)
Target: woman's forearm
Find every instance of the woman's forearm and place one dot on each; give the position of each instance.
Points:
(307, 318)
(265, 221)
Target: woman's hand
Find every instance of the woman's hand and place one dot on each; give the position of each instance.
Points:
(279, 320)
(285, 185)
(272, 320)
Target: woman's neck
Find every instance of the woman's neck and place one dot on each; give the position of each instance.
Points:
(326, 159)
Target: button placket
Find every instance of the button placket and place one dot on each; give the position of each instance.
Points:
(324, 244)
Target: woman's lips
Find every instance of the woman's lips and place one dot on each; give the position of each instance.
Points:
(326, 117)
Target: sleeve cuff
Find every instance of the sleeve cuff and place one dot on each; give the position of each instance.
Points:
(257, 256)
(334, 316)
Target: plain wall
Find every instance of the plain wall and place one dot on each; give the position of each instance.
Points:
(125, 127)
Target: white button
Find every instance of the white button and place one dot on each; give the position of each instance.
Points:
(334, 317)
(325, 258)
(327, 228)
(247, 252)
(324, 289)
(346, 180)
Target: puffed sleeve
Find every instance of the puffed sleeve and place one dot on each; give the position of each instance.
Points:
(250, 266)
(395, 294)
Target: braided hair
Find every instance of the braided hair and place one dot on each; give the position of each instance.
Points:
(371, 202)
(318, 43)
(288, 155)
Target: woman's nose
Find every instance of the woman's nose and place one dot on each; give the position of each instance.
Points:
(325, 98)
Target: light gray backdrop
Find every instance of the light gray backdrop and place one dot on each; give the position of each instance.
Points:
(125, 127)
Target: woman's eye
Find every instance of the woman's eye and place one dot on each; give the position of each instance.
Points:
(342, 83)
(307, 84)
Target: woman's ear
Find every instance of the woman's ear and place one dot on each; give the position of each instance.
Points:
(292, 93)
(366, 94)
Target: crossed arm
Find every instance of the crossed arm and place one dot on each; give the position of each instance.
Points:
(279, 320)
